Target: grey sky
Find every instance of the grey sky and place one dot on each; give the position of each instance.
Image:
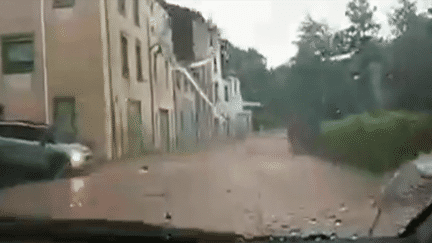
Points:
(271, 26)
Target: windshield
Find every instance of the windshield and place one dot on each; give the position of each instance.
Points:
(269, 117)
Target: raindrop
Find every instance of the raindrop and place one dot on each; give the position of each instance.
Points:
(313, 221)
(271, 238)
(71, 205)
(284, 226)
(143, 169)
(332, 216)
(338, 111)
(167, 216)
(354, 237)
(338, 222)
(282, 239)
(333, 236)
(343, 208)
(229, 191)
(168, 236)
(294, 231)
(79, 204)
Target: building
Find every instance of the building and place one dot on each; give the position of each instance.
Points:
(121, 76)
(162, 62)
(87, 62)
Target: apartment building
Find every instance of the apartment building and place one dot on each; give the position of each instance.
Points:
(162, 62)
(82, 65)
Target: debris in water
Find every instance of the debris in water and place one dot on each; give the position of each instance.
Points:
(143, 169)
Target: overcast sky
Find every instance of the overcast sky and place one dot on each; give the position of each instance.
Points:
(270, 26)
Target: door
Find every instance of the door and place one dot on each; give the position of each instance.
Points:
(64, 119)
(164, 129)
(135, 137)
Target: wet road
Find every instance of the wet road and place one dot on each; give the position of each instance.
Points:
(253, 187)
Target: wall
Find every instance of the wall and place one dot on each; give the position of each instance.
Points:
(23, 94)
(181, 24)
(74, 65)
(125, 88)
(185, 113)
(162, 80)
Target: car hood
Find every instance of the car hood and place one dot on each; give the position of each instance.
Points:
(72, 147)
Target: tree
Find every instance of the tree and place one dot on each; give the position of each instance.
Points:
(316, 34)
(362, 29)
(399, 17)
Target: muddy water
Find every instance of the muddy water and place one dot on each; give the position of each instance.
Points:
(255, 187)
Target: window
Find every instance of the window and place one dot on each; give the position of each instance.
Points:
(136, 12)
(178, 78)
(215, 65)
(181, 120)
(63, 3)
(125, 64)
(185, 84)
(226, 93)
(18, 55)
(155, 67)
(167, 74)
(216, 92)
(138, 62)
(122, 7)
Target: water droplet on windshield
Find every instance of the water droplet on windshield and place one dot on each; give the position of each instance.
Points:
(294, 232)
(228, 191)
(167, 216)
(354, 237)
(71, 205)
(338, 222)
(332, 216)
(284, 226)
(343, 207)
(143, 169)
(168, 236)
(313, 221)
(333, 236)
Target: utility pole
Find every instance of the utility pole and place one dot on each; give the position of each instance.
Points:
(151, 81)
(45, 77)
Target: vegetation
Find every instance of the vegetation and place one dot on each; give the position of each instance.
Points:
(337, 104)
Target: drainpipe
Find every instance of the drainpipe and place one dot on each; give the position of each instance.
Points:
(42, 13)
(151, 82)
(113, 125)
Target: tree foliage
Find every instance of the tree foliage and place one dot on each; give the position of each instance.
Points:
(399, 17)
(363, 28)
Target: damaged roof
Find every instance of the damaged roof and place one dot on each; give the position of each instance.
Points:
(171, 8)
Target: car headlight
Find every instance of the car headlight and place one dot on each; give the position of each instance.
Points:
(76, 156)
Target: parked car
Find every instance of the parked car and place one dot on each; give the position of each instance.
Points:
(424, 166)
(33, 149)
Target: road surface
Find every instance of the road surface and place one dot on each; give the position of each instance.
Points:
(253, 187)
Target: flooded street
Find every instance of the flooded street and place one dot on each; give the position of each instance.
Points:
(254, 187)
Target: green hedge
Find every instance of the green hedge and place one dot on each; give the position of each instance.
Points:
(377, 143)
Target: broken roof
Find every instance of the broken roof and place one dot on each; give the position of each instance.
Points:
(173, 7)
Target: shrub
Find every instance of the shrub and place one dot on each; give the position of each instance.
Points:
(377, 143)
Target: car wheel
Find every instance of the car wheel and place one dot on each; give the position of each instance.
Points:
(58, 165)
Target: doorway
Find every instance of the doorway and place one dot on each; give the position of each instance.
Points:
(64, 119)
(135, 136)
(164, 129)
